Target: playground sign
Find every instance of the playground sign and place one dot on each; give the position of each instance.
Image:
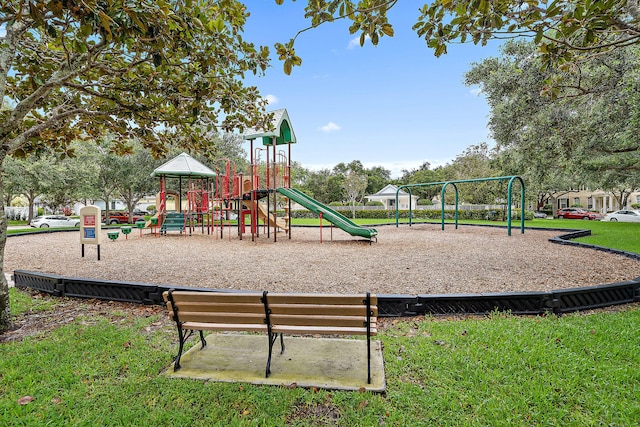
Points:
(90, 227)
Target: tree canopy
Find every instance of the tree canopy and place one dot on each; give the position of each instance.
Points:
(144, 70)
(151, 70)
(566, 32)
(588, 139)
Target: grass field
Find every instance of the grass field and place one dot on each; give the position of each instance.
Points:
(500, 370)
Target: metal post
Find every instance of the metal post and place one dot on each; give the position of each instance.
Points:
(275, 199)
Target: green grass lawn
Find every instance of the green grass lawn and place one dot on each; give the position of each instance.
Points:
(500, 370)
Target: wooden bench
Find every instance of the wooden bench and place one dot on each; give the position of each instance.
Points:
(273, 313)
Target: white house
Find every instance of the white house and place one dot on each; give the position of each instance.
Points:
(387, 196)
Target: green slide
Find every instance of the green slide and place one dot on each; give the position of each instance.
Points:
(329, 214)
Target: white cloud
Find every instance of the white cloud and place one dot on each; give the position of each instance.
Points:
(272, 99)
(476, 91)
(330, 127)
(355, 42)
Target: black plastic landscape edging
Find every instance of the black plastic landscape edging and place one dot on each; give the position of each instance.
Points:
(389, 305)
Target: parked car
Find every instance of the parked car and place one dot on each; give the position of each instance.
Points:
(116, 217)
(46, 221)
(538, 214)
(139, 212)
(226, 215)
(623, 216)
(577, 213)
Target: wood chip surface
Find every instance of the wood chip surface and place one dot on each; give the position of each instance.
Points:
(422, 259)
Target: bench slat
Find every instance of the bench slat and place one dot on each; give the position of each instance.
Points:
(227, 297)
(314, 309)
(216, 307)
(347, 321)
(330, 299)
(202, 317)
(235, 327)
(322, 330)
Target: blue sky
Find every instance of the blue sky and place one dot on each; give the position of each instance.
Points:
(393, 105)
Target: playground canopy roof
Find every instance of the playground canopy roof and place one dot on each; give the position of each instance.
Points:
(282, 130)
(183, 165)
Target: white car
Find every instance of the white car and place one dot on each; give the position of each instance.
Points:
(46, 221)
(623, 216)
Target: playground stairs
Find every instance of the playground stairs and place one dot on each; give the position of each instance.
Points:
(173, 221)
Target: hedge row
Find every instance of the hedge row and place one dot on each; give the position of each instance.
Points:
(482, 214)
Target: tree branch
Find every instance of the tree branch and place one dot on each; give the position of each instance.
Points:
(388, 5)
(14, 143)
(58, 79)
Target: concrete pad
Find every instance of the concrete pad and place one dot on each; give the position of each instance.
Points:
(329, 363)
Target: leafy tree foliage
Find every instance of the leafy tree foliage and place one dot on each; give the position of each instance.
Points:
(354, 185)
(586, 140)
(423, 175)
(565, 32)
(146, 70)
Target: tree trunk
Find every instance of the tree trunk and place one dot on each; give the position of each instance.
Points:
(31, 197)
(5, 311)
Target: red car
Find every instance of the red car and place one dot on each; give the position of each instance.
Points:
(577, 213)
(120, 218)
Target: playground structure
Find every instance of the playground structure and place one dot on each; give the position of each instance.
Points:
(445, 184)
(214, 198)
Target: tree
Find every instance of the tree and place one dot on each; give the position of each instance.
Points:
(475, 162)
(142, 70)
(587, 140)
(377, 178)
(565, 32)
(423, 175)
(58, 188)
(133, 178)
(354, 185)
(12, 180)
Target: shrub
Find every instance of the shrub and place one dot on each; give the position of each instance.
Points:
(424, 214)
(424, 202)
(374, 203)
(335, 204)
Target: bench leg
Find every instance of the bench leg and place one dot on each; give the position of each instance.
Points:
(181, 338)
(272, 341)
(368, 361)
(202, 340)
